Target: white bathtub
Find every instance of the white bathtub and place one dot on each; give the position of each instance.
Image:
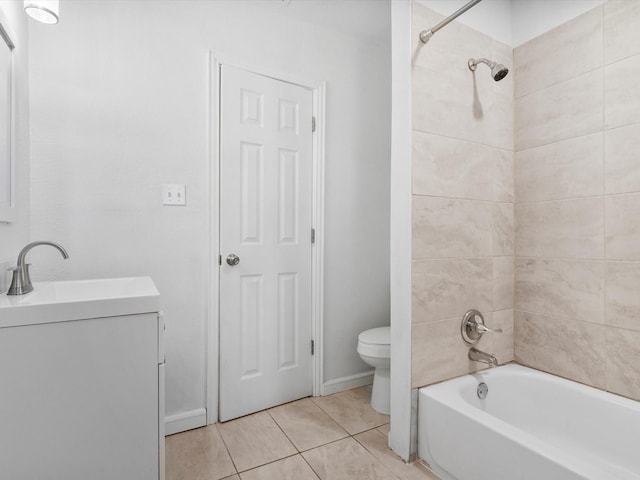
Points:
(531, 426)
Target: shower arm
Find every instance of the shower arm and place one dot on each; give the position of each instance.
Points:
(425, 35)
(473, 63)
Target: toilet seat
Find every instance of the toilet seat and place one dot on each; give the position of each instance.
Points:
(376, 336)
(375, 342)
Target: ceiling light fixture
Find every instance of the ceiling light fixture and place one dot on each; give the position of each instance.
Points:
(45, 11)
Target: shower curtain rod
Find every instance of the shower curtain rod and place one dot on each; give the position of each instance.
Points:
(425, 35)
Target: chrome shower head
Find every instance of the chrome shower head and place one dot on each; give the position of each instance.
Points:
(498, 71)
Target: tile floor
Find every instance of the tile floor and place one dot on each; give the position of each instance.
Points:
(338, 437)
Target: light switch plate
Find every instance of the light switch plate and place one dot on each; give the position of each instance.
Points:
(174, 194)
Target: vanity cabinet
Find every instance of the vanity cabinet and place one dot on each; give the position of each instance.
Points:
(82, 398)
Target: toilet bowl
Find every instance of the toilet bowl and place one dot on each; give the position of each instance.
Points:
(374, 347)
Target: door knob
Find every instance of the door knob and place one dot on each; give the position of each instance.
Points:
(233, 259)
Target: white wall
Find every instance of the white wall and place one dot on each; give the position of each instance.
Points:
(13, 236)
(535, 17)
(119, 107)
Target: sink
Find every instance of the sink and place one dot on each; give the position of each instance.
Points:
(73, 300)
(80, 290)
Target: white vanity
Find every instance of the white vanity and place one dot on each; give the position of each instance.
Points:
(82, 382)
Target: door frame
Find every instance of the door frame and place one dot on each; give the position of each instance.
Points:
(318, 89)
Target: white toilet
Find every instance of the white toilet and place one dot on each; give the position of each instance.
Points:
(374, 347)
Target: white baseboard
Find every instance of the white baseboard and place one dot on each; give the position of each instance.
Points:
(345, 383)
(185, 421)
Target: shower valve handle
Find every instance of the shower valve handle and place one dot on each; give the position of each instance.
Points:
(473, 327)
(480, 328)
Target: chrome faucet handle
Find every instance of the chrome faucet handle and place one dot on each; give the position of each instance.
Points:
(482, 328)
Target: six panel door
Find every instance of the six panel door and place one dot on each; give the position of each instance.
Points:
(265, 234)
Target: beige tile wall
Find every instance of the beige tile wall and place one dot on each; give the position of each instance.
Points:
(463, 221)
(577, 212)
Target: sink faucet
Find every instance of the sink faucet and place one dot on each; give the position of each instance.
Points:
(21, 282)
(482, 357)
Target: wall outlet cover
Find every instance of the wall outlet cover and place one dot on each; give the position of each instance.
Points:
(174, 194)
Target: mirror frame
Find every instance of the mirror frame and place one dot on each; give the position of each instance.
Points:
(9, 213)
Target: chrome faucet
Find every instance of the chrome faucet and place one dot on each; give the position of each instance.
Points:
(482, 357)
(21, 281)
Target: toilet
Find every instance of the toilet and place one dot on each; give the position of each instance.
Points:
(374, 347)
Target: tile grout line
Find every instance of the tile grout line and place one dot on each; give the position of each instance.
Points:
(272, 461)
(551, 85)
(470, 257)
(564, 259)
(227, 449)
(603, 195)
(310, 466)
(373, 454)
(323, 411)
(565, 199)
(330, 416)
(548, 316)
(582, 259)
(269, 463)
(555, 142)
(470, 199)
(473, 142)
(300, 452)
(282, 430)
(602, 131)
(604, 205)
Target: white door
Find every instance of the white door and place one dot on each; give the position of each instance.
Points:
(265, 221)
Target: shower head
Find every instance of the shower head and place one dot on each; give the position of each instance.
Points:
(498, 71)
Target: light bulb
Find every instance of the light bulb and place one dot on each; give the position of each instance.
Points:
(45, 11)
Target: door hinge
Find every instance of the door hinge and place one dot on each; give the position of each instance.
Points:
(313, 347)
(313, 236)
(313, 124)
(219, 259)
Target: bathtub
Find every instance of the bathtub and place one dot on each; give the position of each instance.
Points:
(530, 426)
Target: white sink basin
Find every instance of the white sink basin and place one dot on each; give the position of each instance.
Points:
(74, 300)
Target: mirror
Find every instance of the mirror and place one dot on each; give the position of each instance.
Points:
(7, 165)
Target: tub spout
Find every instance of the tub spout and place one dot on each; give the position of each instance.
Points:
(483, 357)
